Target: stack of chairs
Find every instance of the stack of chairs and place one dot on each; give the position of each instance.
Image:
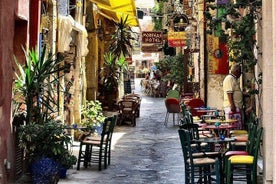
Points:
(129, 108)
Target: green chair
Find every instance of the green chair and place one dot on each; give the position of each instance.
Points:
(97, 148)
(246, 163)
(173, 94)
(201, 168)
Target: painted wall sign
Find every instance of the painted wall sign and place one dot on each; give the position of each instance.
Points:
(152, 37)
(217, 56)
(176, 39)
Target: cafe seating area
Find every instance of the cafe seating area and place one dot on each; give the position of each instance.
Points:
(218, 144)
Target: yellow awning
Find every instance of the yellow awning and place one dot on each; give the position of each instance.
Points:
(117, 9)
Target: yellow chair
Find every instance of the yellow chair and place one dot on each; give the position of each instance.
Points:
(246, 162)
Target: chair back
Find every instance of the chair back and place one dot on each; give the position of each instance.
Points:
(252, 130)
(172, 105)
(192, 129)
(187, 115)
(256, 145)
(108, 127)
(173, 94)
(195, 103)
(185, 141)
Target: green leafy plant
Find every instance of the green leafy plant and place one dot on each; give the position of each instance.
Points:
(112, 71)
(121, 39)
(92, 114)
(37, 82)
(235, 24)
(36, 86)
(173, 67)
(44, 140)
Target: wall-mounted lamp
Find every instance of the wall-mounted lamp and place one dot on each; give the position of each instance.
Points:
(190, 3)
(100, 30)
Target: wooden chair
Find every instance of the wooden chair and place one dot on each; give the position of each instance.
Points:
(173, 107)
(97, 148)
(200, 168)
(127, 111)
(246, 162)
(138, 98)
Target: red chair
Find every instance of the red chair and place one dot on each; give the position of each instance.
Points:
(173, 106)
(195, 103)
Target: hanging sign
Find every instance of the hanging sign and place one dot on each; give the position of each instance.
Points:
(152, 37)
(176, 39)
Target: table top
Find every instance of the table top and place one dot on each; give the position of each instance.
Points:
(220, 127)
(214, 140)
(207, 110)
(211, 121)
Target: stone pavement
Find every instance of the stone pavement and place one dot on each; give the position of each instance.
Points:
(147, 153)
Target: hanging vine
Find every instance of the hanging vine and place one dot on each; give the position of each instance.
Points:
(235, 24)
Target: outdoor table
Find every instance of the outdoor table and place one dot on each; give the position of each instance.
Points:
(221, 129)
(205, 110)
(221, 121)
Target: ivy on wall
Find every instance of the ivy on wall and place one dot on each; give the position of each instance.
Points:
(235, 23)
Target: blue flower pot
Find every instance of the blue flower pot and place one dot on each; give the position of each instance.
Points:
(45, 171)
(62, 172)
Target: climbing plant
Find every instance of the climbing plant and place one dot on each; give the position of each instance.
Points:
(235, 23)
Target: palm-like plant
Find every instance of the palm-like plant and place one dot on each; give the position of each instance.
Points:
(112, 71)
(121, 39)
(37, 82)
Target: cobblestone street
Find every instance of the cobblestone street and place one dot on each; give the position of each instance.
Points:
(147, 153)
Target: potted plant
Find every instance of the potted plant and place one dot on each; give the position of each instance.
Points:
(112, 72)
(46, 143)
(92, 116)
(115, 65)
(42, 136)
(66, 162)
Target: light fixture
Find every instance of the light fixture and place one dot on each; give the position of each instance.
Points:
(100, 30)
(190, 3)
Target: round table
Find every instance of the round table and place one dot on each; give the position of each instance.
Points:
(221, 129)
(221, 121)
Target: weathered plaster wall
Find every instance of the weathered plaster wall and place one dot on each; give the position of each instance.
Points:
(215, 91)
(14, 17)
(7, 9)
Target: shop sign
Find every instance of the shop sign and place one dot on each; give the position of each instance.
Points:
(176, 39)
(152, 37)
(149, 48)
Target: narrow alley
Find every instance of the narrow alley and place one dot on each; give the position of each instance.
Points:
(147, 153)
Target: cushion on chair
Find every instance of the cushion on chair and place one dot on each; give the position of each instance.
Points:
(231, 153)
(211, 154)
(238, 132)
(241, 138)
(241, 159)
(204, 160)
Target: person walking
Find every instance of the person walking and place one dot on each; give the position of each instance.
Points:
(233, 96)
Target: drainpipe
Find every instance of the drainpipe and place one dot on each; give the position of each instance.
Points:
(205, 58)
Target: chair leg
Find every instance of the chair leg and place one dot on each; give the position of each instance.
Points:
(79, 158)
(173, 118)
(166, 119)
